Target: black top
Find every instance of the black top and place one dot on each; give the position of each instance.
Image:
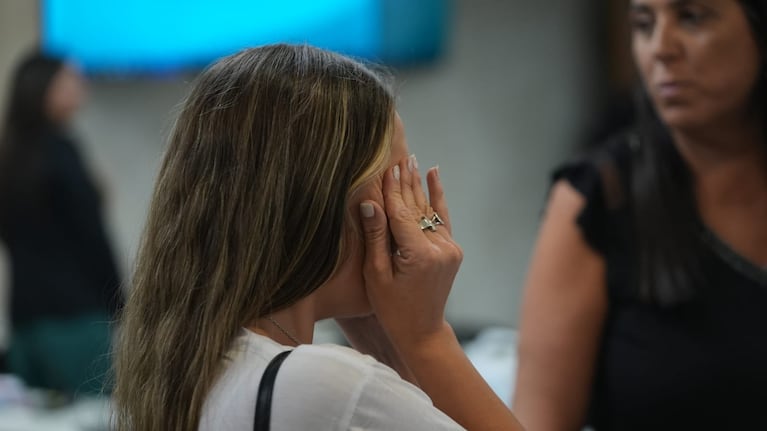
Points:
(700, 365)
(60, 260)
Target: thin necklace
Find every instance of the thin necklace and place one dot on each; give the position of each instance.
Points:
(284, 331)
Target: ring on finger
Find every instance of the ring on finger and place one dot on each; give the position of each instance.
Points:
(436, 219)
(425, 223)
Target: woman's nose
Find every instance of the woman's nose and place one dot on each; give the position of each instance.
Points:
(665, 42)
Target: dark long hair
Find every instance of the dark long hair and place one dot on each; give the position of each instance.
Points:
(25, 114)
(25, 125)
(665, 211)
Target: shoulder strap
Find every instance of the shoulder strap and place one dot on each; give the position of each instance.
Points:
(265, 388)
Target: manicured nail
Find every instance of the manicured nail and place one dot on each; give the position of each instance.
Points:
(395, 172)
(367, 210)
(412, 163)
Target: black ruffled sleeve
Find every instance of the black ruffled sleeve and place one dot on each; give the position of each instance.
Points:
(606, 220)
(585, 177)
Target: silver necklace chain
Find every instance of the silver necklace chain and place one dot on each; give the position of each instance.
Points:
(284, 331)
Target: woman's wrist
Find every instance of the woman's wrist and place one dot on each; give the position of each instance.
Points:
(417, 347)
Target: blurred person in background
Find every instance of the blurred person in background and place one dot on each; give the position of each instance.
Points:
(268, 215)
(64, 280)
(646, 302)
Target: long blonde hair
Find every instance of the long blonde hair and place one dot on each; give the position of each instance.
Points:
(249, 215)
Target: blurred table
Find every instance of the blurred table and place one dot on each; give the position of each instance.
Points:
(23, 410)
(493, 351)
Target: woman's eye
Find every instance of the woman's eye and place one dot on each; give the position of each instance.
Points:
(691, 17)
(641, 23)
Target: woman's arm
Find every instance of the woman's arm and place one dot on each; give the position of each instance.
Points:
(563, 311)
(366, 335)
(408, 291)
(454, 385)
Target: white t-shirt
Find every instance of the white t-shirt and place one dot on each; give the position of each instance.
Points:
(318, 387)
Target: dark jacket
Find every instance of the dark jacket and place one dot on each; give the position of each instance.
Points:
(60, 259)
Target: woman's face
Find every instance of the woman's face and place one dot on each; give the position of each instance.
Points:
(697, 58)
(343, 295)
(65, 95)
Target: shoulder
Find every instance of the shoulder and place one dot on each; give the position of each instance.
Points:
(331, 362)
(66, 148)
(344, 372)
(324, 380)
(354, 391)
(603, 179)
(336, 387)
(603, 173)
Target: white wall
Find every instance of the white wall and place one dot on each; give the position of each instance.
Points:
(496, 114)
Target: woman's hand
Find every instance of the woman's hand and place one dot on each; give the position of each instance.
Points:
(408, 286)
(408, 291)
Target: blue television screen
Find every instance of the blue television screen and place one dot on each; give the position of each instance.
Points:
(164, 36)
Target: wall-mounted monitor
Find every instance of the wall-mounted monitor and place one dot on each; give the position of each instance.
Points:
(150, 37)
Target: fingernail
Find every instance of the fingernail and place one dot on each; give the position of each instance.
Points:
(395, 172)
(367, 210)
(436, 171)
(412, 163)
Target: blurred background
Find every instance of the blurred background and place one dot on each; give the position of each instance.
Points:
(497, 92)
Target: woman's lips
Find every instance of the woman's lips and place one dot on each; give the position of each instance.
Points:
(672, 89)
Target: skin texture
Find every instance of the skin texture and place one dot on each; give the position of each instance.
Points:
(699, 63)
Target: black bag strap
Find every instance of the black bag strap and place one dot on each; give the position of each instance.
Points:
(265, 389)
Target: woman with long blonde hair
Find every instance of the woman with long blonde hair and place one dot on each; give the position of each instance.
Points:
(286, 196)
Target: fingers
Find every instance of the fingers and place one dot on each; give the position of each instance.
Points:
(408, 168)
(403, 221)
(437, 197)
(377, 265)
(408, 291)
(421, 202)
(406, 202)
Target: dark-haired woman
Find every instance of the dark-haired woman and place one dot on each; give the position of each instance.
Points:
(64, 286)
(646, 303)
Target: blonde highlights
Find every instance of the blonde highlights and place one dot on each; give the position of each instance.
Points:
(248, 216)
